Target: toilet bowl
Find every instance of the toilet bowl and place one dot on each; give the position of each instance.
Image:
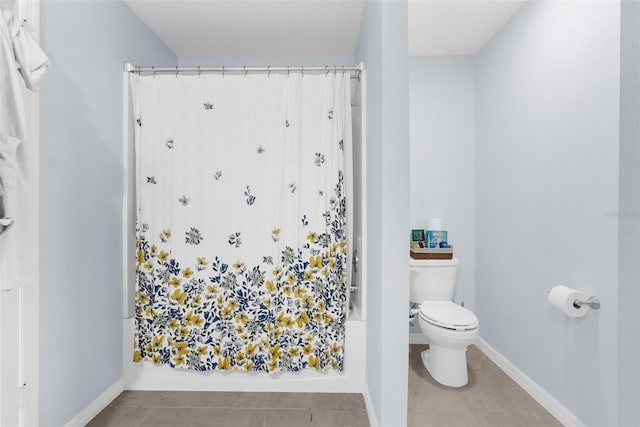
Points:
(450, 328)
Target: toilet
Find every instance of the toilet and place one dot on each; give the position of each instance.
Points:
(450, 328)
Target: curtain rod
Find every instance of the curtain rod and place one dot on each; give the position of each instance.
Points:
(196, 70)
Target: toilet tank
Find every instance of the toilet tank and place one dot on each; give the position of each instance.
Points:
(432, 279)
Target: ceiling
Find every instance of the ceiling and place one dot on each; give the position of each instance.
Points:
(456, 27)
(253, 28)
(298, 28)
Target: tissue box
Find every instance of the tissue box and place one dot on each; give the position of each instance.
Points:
(436, 239)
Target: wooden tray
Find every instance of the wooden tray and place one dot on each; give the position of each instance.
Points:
(435, 253)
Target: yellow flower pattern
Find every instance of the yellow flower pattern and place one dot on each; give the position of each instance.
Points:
(210, 315)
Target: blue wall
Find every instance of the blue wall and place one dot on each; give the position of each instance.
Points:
(629, 218)
(81, 193)
(547, 117)
(382, 45)
(443, 156)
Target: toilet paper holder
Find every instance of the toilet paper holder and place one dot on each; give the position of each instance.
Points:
(592, 302)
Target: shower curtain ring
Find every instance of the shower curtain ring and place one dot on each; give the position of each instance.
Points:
(176, 71)
(302, 70)
(153, 68)
(268, 71)
(245, 71)
(326, 67)
(199, 71)
(287, 71)
(223, 71)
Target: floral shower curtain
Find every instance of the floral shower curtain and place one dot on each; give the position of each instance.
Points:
(241, 246)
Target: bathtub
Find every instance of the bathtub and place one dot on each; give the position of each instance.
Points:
(147, 376)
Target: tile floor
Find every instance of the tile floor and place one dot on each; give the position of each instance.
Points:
(212, 409)
(491, 398)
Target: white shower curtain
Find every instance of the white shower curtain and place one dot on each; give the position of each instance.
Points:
(242, 240)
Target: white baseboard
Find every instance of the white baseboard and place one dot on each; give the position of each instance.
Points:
(550, 403)
(418, 338)
(94, 408)
(368, 403)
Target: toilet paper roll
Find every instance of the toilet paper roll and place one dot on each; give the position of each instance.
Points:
(434, 224)
(563, 299)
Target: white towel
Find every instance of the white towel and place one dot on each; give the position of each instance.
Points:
(18, 246)
(31, 60)
(11, 129)
(8, 178)
(9, 161)
(11, 97)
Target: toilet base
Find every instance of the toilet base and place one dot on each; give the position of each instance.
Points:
(447, 366)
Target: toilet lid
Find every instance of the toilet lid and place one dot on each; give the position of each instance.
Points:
(447, 314)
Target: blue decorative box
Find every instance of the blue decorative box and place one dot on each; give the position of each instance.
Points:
(437, 239)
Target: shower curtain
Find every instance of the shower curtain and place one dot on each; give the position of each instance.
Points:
(241, 220)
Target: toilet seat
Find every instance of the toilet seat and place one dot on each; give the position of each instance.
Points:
(448, 315)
